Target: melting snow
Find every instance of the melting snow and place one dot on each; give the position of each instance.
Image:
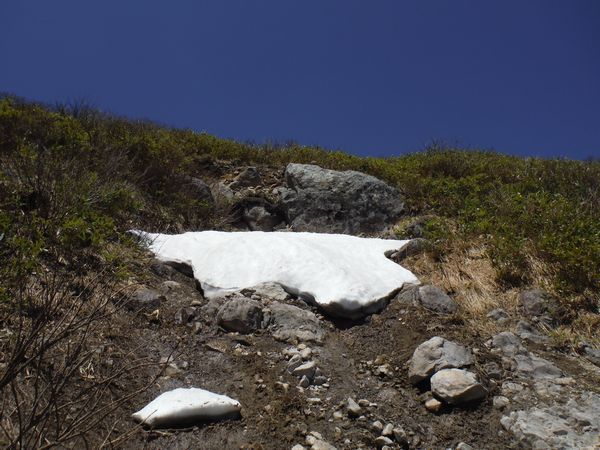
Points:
(345, 275)
(182, 406)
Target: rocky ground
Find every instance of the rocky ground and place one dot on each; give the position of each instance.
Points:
(414, 375)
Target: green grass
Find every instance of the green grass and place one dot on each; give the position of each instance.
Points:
(73, 179)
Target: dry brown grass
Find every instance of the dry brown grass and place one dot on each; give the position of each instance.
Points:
(466, 271)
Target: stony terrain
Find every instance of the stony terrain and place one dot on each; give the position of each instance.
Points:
(417, 374)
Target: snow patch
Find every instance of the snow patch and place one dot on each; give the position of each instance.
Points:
(184, 406)
(345, 275)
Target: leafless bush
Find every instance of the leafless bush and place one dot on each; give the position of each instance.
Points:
(61, 380)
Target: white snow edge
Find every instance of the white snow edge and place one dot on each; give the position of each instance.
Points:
(184, 406)
(346, 275)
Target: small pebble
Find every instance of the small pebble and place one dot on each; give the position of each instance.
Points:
(433, 405)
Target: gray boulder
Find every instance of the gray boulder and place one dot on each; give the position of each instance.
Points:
(329, 201)
(456, 386)
(240, 314)
(291, 324)
(575, 424)
(436, 354)
(436, 300)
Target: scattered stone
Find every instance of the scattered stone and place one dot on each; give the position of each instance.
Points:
(433, 405)
(271, 291)
(463, 446)
(307, 370)
(400, 435)
(412, 247)
(382, 441)
(320, 380)
(377, 426)
(435, 354)
(240, 314)
(575, 424)
(298, 447)
(493, 371)
(526, 331)
(536, 367)
(329, 201)
(162, 270)
(294, 362)
(186, 316)
(289, 323)
(384, 370)
(304, 382)
(248, 177)
(434, 299)
(388, 430)
(353, 409)
(200, 191)
(508, 344)
(306, 353)
(337, 415)
(536, 302)
(592, 354)
(170, 285)
(499, 315)
(259, 218)
(222, 193)
(456, 386)
(363, 402)
(500, 402)
(144, 298)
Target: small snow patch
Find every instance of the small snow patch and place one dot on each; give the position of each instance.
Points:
(183, 406)
(345, 275)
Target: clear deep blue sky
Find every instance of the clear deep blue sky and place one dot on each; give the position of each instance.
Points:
(370, 77)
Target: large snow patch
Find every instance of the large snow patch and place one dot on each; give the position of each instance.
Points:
(345, 275)
(184, 406)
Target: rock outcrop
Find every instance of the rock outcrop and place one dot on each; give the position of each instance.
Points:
(329, 201)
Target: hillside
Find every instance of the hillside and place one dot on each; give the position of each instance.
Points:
(93, 326)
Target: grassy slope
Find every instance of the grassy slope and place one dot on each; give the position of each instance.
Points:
(73, 179)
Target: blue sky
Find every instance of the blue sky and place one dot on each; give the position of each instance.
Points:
(370, 77)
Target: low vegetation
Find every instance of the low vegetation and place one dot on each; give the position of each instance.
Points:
(73, 180)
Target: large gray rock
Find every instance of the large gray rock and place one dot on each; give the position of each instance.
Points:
(329, 201)
(456, 386)
(574, 425)
(434, 299)
(436, 354)
(240, 314)
(291, 324)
